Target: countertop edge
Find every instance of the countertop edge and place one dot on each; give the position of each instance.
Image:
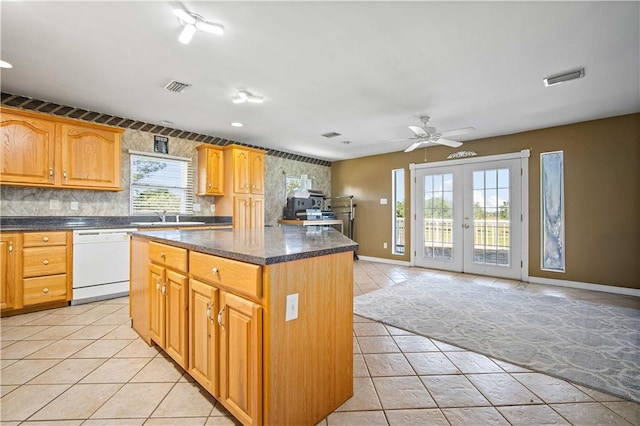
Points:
(256, 260)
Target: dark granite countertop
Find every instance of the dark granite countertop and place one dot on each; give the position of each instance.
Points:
(260, 246)
(62, 223)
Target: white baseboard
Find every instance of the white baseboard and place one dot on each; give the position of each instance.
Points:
(536, 280)
(586, 286)
(383, 260)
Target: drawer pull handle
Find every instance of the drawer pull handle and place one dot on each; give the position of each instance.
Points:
(46, 262)
(221, 317)
(214, 271)
(10, 247)
(45, 290)
(209, 311)
(163, 254)
(164, 289)
(158, 284)
(45, 239)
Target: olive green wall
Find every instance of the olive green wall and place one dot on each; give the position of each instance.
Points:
(602, 196)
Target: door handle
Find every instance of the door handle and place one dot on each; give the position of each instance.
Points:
(465, 226)
(221, 317)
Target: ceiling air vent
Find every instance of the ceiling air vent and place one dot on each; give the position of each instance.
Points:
(557, 79)
(176, 86)
(331, 135)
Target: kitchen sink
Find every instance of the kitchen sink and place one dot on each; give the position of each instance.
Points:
(172, 224)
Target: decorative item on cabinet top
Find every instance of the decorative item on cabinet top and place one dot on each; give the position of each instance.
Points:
(54, 152)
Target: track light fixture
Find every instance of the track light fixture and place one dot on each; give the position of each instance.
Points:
(245, 96)
(192, 23)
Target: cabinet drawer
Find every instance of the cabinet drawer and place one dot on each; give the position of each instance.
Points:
(39, 261)
(174, 257)
(244, 278)
(36, 239)
(44, 289)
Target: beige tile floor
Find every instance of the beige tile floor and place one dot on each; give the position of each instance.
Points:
(83, 365)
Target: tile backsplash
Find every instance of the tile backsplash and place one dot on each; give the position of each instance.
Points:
(32, 201)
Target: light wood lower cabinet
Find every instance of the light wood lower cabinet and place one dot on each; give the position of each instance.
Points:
(9, 268)
(203, 335)
(168, 292)
(240, 322)
(262, 367)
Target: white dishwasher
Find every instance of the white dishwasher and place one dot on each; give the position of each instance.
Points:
(101, 261)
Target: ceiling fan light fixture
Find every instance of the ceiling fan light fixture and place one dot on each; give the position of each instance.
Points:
(187, 34)
(184, 16)
(209, 27)
(561, 78)
(245, 96)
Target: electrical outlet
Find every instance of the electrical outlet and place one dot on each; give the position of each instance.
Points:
(292, 307)
(54, 204)
(196, 207)
(383, 201)
(213, 208)
(384, 245)
(73, 205)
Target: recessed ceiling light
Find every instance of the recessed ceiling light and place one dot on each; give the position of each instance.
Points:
(4, 64)
(236, 124)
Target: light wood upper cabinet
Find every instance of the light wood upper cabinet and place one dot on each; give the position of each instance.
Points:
(244, 186)
(9, 282)
(257, 172)
(43, 150)
(27, 150)
(210, 170)
(90, 157)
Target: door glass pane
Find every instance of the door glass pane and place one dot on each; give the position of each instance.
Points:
(491, 217)
(438, 214)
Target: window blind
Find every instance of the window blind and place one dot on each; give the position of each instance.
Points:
(160, 184)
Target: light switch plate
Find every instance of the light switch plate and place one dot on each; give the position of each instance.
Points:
(196, 207)
(292, 307)
(383, 201)
(54, 204)
(73, 205)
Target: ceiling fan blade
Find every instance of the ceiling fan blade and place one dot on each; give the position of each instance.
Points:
(456, 132)
(418, 130)
(413, 146)
(398, 140)
(448, 142)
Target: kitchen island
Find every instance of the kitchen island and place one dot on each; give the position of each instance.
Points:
(260, 317)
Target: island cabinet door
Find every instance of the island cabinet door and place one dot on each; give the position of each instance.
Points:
(157, 304)
(177, 326)
(240, 323)
(203, 335)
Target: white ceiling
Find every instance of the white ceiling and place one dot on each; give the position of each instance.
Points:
(366, 70)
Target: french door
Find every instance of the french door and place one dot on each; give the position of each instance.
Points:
(468, 216)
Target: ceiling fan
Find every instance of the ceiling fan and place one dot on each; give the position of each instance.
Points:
(425, 135)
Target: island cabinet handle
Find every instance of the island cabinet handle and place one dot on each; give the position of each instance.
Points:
(46, 262)
(10, 247)
(45, 239)
(209, 311)
(221, 316)
(163, 254)
(45, 290)
(158, 284)
(164, 289)
(214, 271)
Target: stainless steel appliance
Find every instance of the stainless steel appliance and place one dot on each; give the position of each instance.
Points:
(100, 264)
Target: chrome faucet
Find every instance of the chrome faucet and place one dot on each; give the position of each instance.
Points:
(177, 218)
(162, 216)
